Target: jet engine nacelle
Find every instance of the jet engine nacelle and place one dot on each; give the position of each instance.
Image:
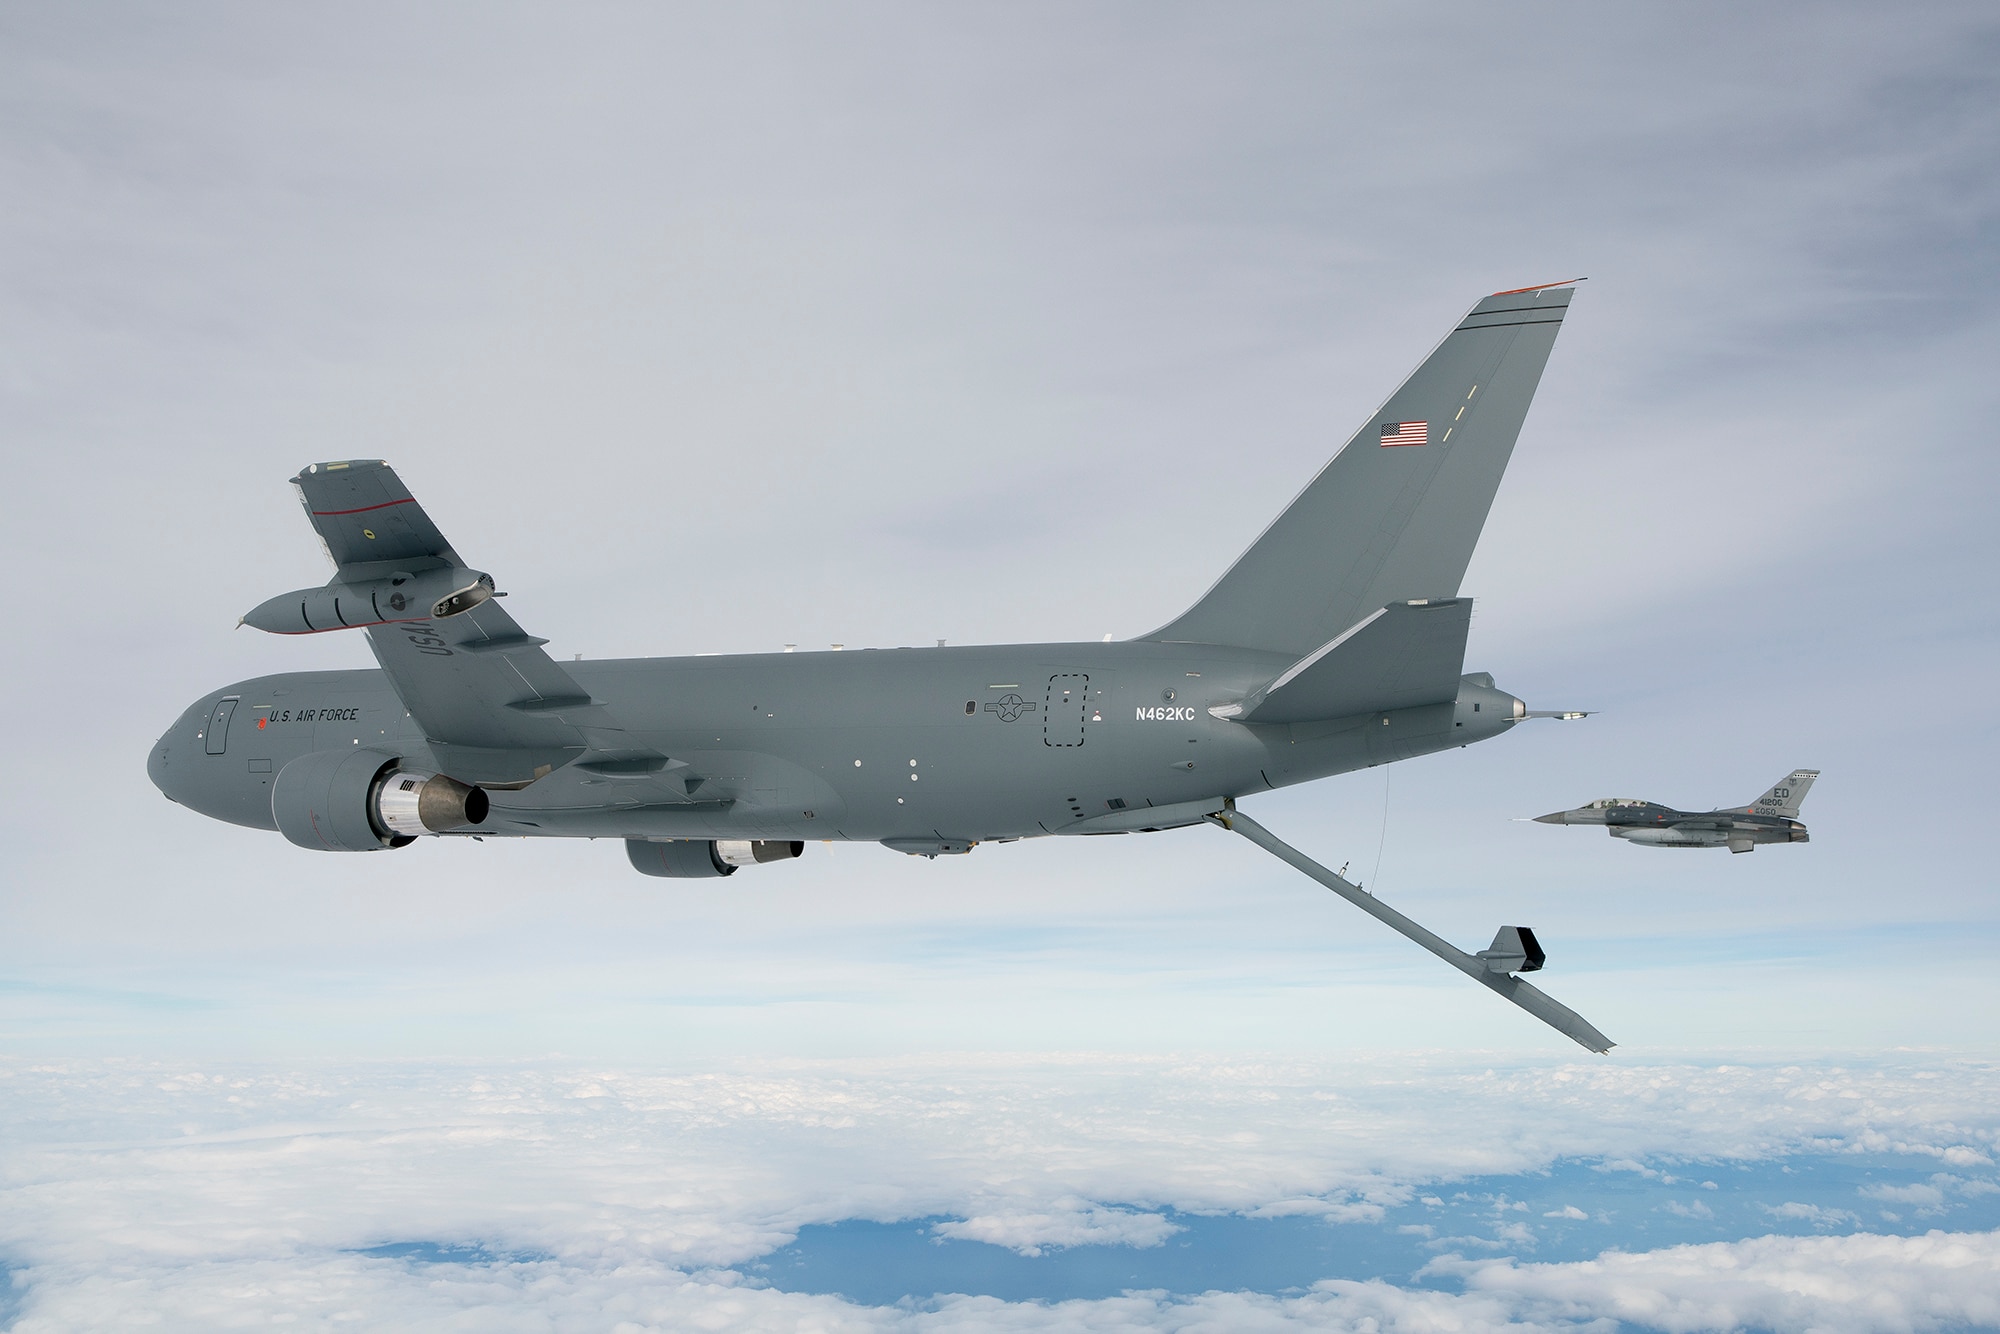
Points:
(362, 801)
(704, 858)
(431, 595)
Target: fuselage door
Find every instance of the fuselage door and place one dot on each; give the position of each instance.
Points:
(216, 735)
(1063, 712)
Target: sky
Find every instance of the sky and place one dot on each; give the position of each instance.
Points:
(712, 330)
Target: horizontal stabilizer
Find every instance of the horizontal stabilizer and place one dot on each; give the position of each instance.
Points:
(1405, 655)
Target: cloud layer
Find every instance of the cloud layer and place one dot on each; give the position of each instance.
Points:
(599, 1194)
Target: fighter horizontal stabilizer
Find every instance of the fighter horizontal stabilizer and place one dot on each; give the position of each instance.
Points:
(1401, 656)
(1514, 949)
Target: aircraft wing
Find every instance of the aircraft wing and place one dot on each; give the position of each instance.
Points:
(365, 516)
(1704, 820)
(495, 708)
(1402, 656)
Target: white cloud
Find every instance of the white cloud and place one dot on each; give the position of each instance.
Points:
(1569, 1211)
(1919, 1194)
(713, 1167)
(132, 1186)
(1850, 1285)
(1855, 1283)
(1817, 1215)
(1070, 1223)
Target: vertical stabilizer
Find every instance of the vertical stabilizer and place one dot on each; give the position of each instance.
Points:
(1784, 797)
(1395, 515)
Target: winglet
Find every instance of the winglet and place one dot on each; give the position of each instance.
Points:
(364, 514)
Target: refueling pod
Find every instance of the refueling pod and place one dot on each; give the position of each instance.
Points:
(430, 595)
(705, 858)
(363, 801)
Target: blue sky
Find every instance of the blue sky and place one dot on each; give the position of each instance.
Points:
(712, 331)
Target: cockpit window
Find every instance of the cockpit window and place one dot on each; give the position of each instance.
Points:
(1605, 803)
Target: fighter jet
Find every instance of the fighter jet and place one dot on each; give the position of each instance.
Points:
(1336, 642)
(1772, 818)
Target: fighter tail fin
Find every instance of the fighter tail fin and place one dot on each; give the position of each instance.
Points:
(1787, 795)
(1395, 515)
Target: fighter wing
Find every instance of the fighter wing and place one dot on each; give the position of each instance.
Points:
(495, 708)
(1702, 820)
(1403, 655)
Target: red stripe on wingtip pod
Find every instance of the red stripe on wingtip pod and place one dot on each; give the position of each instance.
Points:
(328, 514)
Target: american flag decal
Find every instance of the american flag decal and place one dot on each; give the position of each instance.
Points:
(1405, 433)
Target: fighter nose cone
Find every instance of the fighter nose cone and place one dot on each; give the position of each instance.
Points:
(1553, 817)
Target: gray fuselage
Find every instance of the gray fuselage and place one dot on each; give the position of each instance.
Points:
(906, 746)
(1651, 825)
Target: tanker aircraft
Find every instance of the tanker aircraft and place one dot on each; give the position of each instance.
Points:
(1334, 643)
(1772, 818)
